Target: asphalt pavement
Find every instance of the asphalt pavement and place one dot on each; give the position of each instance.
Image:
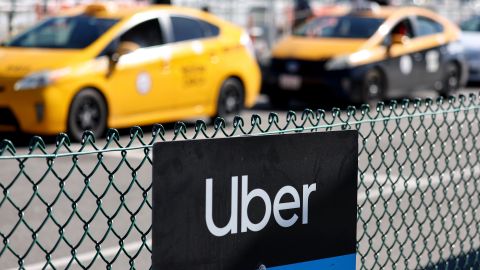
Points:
(417, 198)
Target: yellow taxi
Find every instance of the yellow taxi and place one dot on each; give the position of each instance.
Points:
(368, 53)
(101, 67)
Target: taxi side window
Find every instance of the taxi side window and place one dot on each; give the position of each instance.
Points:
(428, 26)
(210, 29)
(146, 34)
(188, 28)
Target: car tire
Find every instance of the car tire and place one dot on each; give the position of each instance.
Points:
(451, 80)
(88, 111)
(230, 99)
(373, 87)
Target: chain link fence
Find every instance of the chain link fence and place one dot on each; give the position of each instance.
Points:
(88, 205)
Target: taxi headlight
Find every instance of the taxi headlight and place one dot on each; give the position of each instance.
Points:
(39, 79)
(337, 63)
(348, 61)
(33, 81)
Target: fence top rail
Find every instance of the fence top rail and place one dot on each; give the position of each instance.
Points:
(308, 120)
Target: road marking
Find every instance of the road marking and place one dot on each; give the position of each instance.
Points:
(401, 185)
(88, 256)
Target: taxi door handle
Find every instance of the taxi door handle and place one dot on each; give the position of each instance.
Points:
(417, 57)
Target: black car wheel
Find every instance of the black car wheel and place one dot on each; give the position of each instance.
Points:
(88, 111)
(373, 88)
(451, 81)
(231, 99)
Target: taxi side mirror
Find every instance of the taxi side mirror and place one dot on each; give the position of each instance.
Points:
(398, 39)
(394, 39)
(123, 48)
(126, 47)
(115, 52)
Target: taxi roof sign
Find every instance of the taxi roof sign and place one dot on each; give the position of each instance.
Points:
(365, 6)
(95, 8)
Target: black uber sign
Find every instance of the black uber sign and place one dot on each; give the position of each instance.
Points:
(280, 202)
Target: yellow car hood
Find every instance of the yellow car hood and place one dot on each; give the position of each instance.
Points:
(307, 48)
(16, 62)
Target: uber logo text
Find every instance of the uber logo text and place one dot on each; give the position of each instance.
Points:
(246, 197)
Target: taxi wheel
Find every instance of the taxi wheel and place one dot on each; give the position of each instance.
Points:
(451, 82)
(230, 100)
(373, 88)
(88, 111)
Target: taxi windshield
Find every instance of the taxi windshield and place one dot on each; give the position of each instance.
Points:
(339, 27)
(76, 32)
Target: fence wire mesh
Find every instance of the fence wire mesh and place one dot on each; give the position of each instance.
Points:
(88, 205)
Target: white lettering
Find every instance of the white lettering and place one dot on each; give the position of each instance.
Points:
(278, 206)
(246, 198)
(231, 227)
(307, 190)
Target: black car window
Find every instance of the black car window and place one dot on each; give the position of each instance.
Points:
(188, 28)
(75, 32)
(428, 26)
(146, 34)
(472, 24)
(210, 29)
(339, 27)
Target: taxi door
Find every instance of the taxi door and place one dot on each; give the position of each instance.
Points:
(430, 39)
(140, 82)
(403, 59)
(192, 50)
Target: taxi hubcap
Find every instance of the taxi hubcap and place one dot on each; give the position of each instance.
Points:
(87, 116)
(231, 104)
(453, 78)
(373, 89)
(453, 81)
(231, 101)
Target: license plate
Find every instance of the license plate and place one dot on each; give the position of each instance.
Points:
(290, 82)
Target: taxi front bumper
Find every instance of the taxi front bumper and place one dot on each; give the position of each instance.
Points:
(41, 111)
(310, 79)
